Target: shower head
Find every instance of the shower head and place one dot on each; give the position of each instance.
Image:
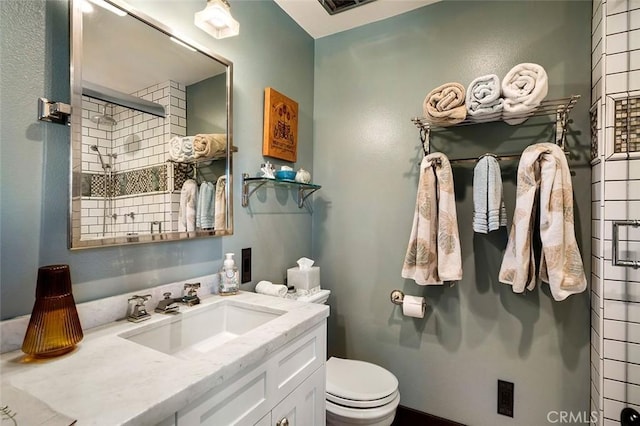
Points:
(103, 118)
(105, 166)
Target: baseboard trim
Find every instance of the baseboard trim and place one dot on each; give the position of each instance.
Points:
(406, 416)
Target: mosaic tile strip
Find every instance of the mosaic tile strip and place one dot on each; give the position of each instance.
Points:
(627, 125)
(150, 179)
(180, 174)
(594, 133)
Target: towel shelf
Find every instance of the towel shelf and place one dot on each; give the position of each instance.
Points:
(304, 189)
(558, 108)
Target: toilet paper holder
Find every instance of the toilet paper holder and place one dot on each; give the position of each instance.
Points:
(397, 298)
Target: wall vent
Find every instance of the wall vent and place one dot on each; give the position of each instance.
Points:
(336, 6)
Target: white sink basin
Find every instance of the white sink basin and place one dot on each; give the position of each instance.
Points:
(200, 329)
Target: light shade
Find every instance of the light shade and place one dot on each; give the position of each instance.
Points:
(216, 19)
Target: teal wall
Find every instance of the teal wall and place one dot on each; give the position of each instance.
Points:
(271, 50)
(207, 106)
(369, 82)
(356, 96)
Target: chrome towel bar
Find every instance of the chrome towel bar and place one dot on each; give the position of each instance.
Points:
(615, 237)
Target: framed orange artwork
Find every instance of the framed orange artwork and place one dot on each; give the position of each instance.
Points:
(280, 136)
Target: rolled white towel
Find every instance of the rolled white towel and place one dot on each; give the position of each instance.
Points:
(483, 98)
(181, 148)
(523, 88)
(271, 289)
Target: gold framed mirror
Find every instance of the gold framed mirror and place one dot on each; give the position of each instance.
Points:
(151, 136)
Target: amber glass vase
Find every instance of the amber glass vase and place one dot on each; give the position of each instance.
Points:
(54, 327)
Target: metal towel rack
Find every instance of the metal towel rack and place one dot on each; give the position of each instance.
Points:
(559, 108)
(616, 237)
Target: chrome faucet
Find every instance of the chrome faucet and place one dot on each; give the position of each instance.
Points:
(169, 305)
(138, 312)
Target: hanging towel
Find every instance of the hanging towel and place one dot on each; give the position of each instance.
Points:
(433, 254)
(483, 99)
(489, 212)
(181, 148)
(523, 88)
(209, 145)
(543, 170)
(205, 207)
(221, 203)
(187, 212)
(444, 105)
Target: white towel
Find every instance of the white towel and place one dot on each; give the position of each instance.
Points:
(205, 207)
(181, 148)
(523, 88)
(433, 254)
(271, 289)
(187, 212)
(220, 220)
(489, 212)
(444, 105)
(483, 99)
(544, 178)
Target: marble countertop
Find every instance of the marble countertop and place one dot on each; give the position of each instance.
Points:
(109, 380)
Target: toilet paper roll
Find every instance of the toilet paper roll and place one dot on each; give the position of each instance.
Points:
(413, 306)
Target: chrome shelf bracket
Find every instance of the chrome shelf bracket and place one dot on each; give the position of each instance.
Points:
(53, 112)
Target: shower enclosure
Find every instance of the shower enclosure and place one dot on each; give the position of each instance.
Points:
(97, 139)
(107, 168)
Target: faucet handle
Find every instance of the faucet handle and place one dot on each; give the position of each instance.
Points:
(192, 288)
(167, 295)
(139, 312)
(140, 300)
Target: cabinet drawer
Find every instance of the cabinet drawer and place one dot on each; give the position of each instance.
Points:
(298, 360)
(242, 402)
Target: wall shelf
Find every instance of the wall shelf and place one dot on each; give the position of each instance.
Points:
(304, 189)
(557, 108)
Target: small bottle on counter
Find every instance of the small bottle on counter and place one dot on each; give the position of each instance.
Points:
(229, 280)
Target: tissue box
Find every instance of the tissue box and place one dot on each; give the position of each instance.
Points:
(303, 280)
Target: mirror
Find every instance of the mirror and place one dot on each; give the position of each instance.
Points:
(151, 140)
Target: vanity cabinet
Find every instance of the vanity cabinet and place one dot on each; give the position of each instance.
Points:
(289, 384)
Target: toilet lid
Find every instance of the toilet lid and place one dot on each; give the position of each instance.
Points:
(358, 381)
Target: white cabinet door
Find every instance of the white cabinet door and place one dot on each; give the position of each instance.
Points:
(265, 421)
(305, 406)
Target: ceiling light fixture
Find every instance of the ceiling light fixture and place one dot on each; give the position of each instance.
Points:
(216, 19)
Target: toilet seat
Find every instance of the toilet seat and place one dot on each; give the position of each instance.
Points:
(359, 384)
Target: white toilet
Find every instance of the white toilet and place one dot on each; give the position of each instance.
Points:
(358, 392)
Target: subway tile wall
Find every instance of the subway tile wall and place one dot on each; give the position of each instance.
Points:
(134, 193)
(615, 290)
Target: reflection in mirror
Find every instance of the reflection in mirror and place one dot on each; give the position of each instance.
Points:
(151, 134)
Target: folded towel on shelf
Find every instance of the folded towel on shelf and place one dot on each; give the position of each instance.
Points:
(209, 145)
(444, 105)
(489, 212)
(187, 211)
(483, 99)
(433, 254)
(205, 207)
(181, 148)
(220, 220)
(271, 289)
(523, 88)
(543, 170)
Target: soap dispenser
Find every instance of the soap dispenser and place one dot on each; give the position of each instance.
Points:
(229, 282)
